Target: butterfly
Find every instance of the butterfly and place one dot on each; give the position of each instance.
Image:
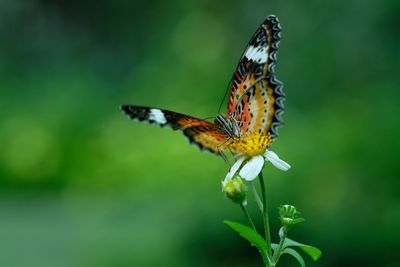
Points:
(255, 101)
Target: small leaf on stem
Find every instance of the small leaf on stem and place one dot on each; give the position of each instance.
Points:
(295, 255)
(313, 252)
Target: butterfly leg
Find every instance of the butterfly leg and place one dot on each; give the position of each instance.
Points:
(221, 150)
(223, 156)
(226, 141)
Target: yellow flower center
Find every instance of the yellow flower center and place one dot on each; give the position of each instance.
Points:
(251, 144)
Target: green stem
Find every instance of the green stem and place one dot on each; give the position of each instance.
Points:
(248, 216)
(277, 253)
(256, 197)
(265, 216)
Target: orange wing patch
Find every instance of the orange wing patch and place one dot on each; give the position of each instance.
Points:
(242, 80)
(256, 109)
(210, 138)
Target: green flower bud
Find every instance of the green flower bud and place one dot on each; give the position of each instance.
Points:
(289, 215)
(235, 190)
(287, 211)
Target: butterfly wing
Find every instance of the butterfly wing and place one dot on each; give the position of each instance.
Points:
(204, 134)
(259, 109)
(256, 97)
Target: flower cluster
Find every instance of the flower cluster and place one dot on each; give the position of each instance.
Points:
(252, 152)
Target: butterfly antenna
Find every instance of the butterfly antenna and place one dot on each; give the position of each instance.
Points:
(207, 118)
(223, 99)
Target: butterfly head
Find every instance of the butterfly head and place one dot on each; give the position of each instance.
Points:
(229, 126)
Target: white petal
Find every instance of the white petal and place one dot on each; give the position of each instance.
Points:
(252, 168)
(235, 167)
(224, 182)
(276, 161)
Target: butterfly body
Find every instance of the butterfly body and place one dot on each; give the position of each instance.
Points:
(255, 102)
(230, 126)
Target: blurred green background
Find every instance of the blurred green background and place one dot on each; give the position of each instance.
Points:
(81, 185)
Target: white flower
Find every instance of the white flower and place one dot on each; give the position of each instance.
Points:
(250, 167)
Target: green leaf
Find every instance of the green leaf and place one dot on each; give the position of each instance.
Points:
(313, 252)
(297, 220)
(295, 255)
(250, 235)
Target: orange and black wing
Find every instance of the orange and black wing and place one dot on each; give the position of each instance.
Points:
(256, 97)
(259, 110)
(204, 134)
